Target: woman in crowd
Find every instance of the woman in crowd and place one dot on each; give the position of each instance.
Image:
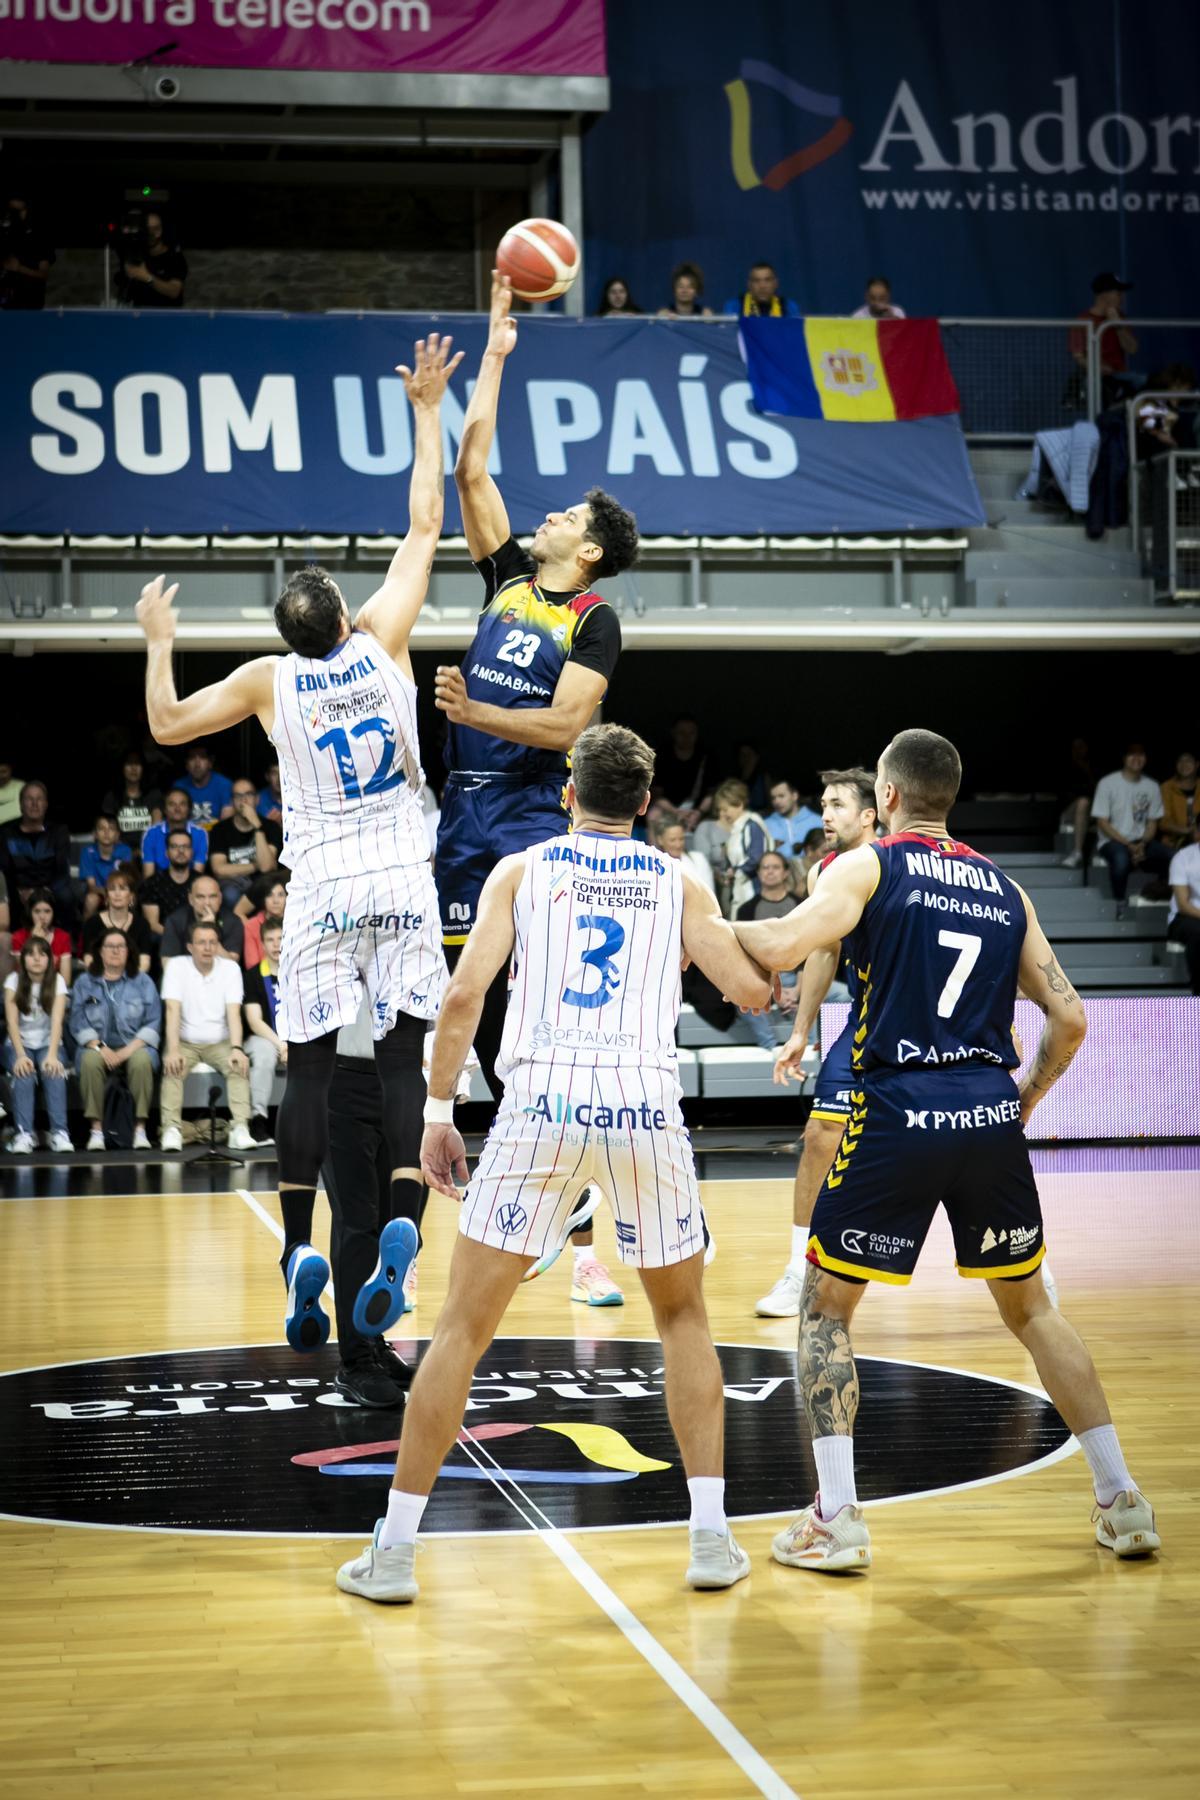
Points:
(267, 900)
(687, 294)
(617, 298)
(35, 1004)
(120, 912)
(116, 1021)
(41, 925)
(135, 806)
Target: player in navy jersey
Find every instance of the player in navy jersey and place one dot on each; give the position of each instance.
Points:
(944, 940)
(848, 817)
(543, 654)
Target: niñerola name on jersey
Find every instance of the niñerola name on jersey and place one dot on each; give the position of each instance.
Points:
(956, 872)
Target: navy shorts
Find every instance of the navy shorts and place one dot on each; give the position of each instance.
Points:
(836, 1079)
(481, 822)
(915, 1142)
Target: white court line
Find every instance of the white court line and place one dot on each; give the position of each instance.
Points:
(738, 1748)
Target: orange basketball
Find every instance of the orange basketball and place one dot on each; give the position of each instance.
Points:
(540, 258)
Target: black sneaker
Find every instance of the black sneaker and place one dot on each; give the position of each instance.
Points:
(364, 1382)
(393, 1366)
(260, 1129)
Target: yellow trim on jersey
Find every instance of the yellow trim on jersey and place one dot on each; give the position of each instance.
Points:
(557, 621)
(878, 873)
(458, 938)
(837, 1267)
(838, 1118)
(1023, 1268)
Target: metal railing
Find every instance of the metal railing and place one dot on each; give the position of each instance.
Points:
(1139, 471)
(1175, 525)
(1016, 377)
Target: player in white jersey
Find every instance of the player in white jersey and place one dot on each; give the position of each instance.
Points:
(596, 923)
(340, 710)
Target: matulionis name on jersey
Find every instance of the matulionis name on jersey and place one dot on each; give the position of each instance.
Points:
(639, 860)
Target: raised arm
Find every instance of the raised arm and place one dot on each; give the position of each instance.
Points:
(485, 520)
(1042, 981)
(709, 941)
(391, 612)
(246, 693)
(825, 918)
(443, 1155)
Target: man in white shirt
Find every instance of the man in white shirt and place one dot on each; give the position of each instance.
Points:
(789, 822)
(1183, 920)
(879, 301)
(671, 839)
(1126, 809)
(202, 1001)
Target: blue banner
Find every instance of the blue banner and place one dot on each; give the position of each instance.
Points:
(119, 423)
(986, 160)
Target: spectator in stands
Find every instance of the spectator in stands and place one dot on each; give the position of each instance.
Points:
(134, 805)
(268, 898)
(776, 898)
(750, 769)
(243, 846)
(98, 859)
(1126, 809)
(270, 796)
(762, 298)
(202, 997)
(116, 1021)
(204, 907)
(178, 809)
(166, 890)
(153, 268)
(37, 854)
(790, 819)
(266, 1049)
(1116, 345)
(211, 794)
(616, 299)
(1179, 803)
(1075, 789)
(5, 932)
(10, 794)
(745, 843)
(40, 913)
(680, 770)
(878, 302)
(25, 259)
(687, 294)
(120, 912)
(1160, 426)
(1183, 920)
(35, 1004)
(671, 838)
(813, 849)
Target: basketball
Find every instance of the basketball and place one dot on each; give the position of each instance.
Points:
(540, 258)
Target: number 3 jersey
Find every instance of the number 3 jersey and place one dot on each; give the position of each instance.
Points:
(939, 947)
(599, 928)
(349, 766)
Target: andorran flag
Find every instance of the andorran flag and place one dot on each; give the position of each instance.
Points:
(868, 371)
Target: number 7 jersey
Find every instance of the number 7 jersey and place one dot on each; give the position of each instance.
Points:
(349, 766)
(940, 948)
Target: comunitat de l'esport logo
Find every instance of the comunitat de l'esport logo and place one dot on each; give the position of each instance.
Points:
(235, 1440)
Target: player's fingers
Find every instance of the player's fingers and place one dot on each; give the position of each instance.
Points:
(462, 1173)
(454, 361)
(403, 370)
(171, 592)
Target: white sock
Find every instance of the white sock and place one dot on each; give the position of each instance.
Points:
(584, 1253)
(708, 1503)
(835, 1473)
(403, 1517)
(1110, 1477)
(800, 1235)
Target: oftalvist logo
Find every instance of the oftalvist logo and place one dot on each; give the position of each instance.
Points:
(806, 100)
(610, 1452)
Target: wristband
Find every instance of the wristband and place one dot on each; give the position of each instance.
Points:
(438, 1112)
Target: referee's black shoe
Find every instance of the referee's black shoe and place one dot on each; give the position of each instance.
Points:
(363, 1381)
(393, 1366)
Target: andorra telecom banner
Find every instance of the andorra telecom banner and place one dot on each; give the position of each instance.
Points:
(445, 37)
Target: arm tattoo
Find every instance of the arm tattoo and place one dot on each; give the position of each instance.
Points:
(1057, 982)
(1041, 1077)
(828, 1377)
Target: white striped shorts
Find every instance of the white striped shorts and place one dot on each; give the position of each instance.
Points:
(561, 1128)
(379, 929)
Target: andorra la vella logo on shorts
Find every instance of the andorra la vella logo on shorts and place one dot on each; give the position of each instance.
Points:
(255, 1439)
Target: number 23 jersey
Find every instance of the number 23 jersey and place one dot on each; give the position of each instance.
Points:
(349, 765)
(940, 942)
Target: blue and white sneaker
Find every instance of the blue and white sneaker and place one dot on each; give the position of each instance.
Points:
(306, 1322)
(585, 1208)
(383, 1575)
(380, 1300)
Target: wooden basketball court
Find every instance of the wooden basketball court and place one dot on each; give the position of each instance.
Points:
(993, 1649)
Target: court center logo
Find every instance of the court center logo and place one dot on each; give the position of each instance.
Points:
(253, 1439)
(807, 101)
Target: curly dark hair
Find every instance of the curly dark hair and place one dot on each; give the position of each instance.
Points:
(614, 529)
(308, 613)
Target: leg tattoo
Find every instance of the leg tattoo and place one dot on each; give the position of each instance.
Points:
(828, 1377)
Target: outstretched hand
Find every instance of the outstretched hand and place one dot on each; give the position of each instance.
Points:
(154, 612)
(425, 382)
(502, 327)
(444, 1159)
(450, 694)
